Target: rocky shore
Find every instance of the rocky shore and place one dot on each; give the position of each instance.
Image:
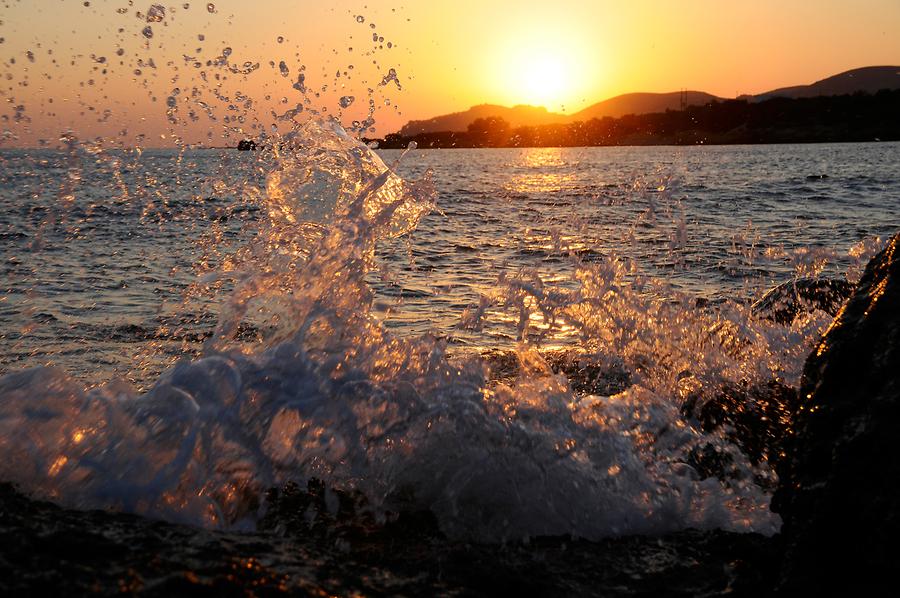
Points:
(833, 440)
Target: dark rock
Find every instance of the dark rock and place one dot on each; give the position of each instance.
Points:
(584, 373)
(758, 417)
(838, 492)
(785, 302)
(709, 461)
(47, 550)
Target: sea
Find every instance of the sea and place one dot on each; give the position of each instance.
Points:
(183, 329)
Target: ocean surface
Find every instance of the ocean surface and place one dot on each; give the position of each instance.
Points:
(182, 329)
(89, 282)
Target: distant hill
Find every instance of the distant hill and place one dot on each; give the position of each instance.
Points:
(516, 116)
(642, 103)
(869, 79)
(531, 116)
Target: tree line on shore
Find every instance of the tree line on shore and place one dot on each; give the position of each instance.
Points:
(856, 117)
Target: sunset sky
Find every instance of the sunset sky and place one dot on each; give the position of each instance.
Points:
(447, 56)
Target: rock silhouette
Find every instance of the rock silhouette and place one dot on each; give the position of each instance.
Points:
(838, 485)
(786, 301)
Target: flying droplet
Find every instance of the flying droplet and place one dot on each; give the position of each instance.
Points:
(360, 19)
(283, 68)
(210, 7)
(148, 32)
(280, 39)
(156, 13)
(345, 101)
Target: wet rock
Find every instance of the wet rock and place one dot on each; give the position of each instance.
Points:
(709, 461)
(785, 302)
(758, 417)
(47, 550)
(246, 145)
(838, 491)
(585, 374)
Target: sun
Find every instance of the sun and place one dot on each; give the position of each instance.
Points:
(540, 78)
(542, 69)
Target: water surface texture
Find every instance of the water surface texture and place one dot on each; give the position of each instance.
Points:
(713, 222)
(185, 329)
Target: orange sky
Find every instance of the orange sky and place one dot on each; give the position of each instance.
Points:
(447, 55)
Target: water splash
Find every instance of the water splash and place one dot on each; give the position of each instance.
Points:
(299, 377)
(329, 393)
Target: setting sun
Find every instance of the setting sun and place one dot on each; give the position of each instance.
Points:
(540, 78)
(542, 65)
(456, 297)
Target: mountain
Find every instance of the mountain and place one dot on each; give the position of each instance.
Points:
(643, 103)
(530, 116)
(516, 116)
(869, 79)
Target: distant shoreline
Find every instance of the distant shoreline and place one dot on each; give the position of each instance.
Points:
(856, 118)
(736, 144)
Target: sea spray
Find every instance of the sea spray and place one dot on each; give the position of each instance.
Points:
(331, 394)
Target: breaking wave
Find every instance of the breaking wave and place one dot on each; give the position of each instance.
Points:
(329, 393)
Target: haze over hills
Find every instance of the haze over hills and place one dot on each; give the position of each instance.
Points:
(642, 103)
(522, 115)
(866, 79)
(869, 79)
(530, 116)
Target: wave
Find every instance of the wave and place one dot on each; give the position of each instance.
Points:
(329, 393)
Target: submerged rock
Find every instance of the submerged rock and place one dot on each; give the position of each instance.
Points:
(586, 375)
(785, 302)
(838, 491)
(757, 417)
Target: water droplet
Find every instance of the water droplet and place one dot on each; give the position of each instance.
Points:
(186, 5)
(360, 19)
(201, 37)
(148, 32)
(283, 68)
(156, 13)
(211, 7)
(280, 39)
(345, 101)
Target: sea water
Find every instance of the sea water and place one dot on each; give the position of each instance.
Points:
(178, 351)
(185, 328)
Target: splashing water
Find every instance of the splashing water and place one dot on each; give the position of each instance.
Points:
(331, 394)
(326, 390)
